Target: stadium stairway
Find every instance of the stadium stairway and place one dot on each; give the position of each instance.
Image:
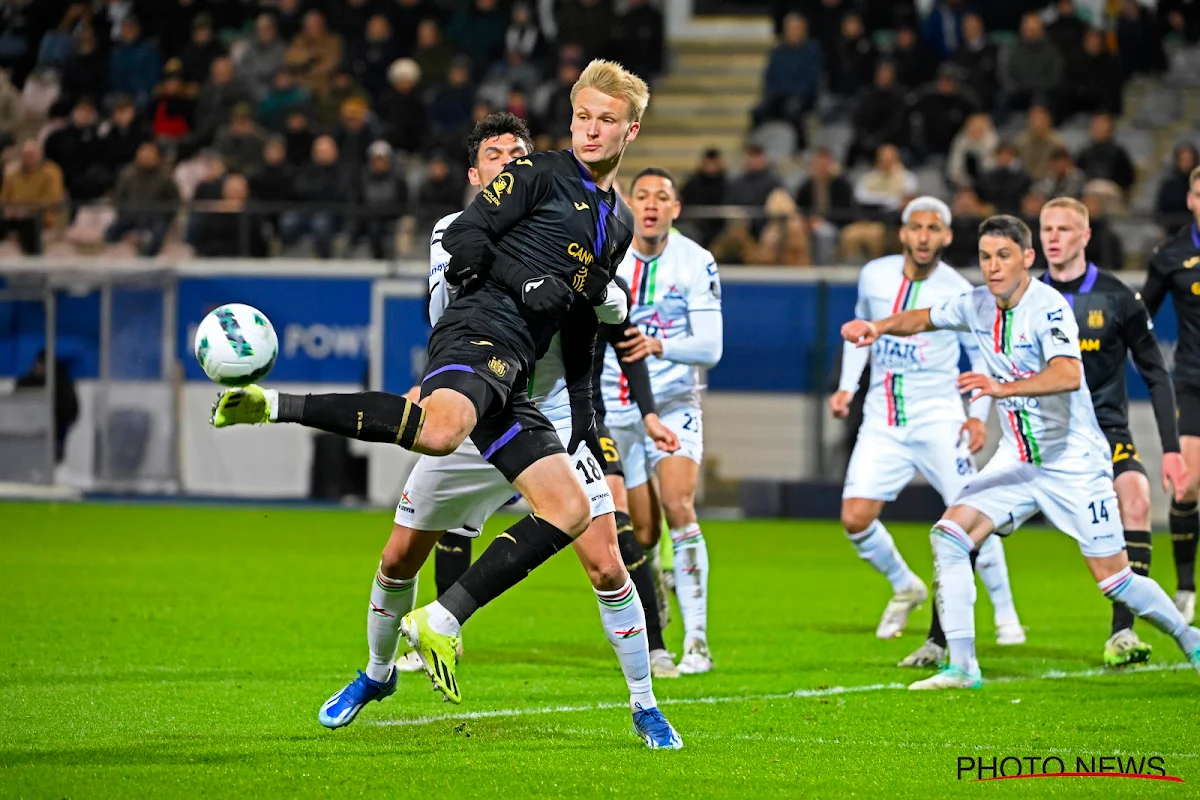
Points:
(704, 101)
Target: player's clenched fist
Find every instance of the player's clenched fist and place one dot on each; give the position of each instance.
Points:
(860, 332)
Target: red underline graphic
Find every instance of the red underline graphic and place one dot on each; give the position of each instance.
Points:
(1170, 778)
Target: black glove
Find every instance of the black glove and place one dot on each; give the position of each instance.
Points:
(547, 294)
(469, 263)
(594, 286)
(583, 431)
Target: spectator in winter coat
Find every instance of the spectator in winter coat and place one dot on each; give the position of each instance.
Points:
(973, 152)
(641, 38)
(146, 201)
(851, 63)
(86, 72)
(201, 51)
(450, 108)
(707, 187)
(879, 116)
(791, 79)
(1034, 72)
(78, 150)
(978, 58)
(372, 55)
(122, 133)
(1103, 158)
(401, 109)
(478, 28)
(273, 182)
(32, 191)
(217, 98)
(827, 200)
(441, 192)
(262, 57)
(323, 181)
(227, 231)
(240, 142)
(134, 65)
(286, 96)
(432, 53)
(1170, 207)
(383, 198)
(889, 185)
(1063, 179)
(1037, 142)
(940, 112)
(315, 53)
(1006, 183)
(1093, 79)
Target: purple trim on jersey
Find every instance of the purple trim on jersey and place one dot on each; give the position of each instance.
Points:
(1195, 235)
(508, 436)
(605, 208)
(448, 368)
(1089, 282)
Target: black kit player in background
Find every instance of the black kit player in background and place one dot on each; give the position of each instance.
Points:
(1114, 326)
(1173, 271)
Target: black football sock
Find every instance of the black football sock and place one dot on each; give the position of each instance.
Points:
(451, 559)
(508, 559)
(936, 634)
(1137, 545)
(640, 572)
(1185, 527)
(367, 416)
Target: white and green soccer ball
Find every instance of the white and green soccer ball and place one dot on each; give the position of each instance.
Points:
(236, 345)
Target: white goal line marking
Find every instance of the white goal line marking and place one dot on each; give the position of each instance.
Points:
(828, 691)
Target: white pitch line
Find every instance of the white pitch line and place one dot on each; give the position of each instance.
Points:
(828, 691)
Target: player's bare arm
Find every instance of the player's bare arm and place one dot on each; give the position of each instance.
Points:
(1063, 374)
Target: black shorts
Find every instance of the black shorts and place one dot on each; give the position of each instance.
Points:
(1124, 452)
(612, 456)
(1187, 401)
(510, 432)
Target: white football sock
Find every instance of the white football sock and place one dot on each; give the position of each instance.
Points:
(624, 624)
(955, 591)
(442, 620)
(391, 599)
(993, 570)
(691, 580)
(272, 396)
(1147, 599)
(876, 547)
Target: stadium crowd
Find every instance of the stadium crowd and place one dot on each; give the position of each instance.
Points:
(285, 104)
(268, 126)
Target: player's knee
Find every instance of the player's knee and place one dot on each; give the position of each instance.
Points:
(608, 575)
(855, 521)
(1191, 492)
(439, 438)
(680, 510)
(1135, 512)
(576, 512)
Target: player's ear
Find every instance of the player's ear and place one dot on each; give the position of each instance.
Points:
(473, 177)
(632, 133)
(1030, 257)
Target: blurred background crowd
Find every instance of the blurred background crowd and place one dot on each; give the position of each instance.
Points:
(337, 127)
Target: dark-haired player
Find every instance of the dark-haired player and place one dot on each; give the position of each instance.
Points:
(676, 326)
(1113, 326)
(1053, 457)
(1173, 271)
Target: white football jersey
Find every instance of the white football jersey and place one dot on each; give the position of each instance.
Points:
(912, 377)
(665, 289)
(548, 383)
(1056, 432)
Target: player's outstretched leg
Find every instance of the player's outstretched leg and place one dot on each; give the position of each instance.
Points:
(561, 513)
(624, 623)
(1146, 599)
(436, 427)
(1185, 533)
(956, 607)
(874, 545)
(638, 565)
(393, 594)
(678, 476)
(992, 568)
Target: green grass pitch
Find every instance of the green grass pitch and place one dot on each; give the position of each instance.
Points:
(172, 651)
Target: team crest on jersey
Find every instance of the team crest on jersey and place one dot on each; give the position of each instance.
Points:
(579, 279)
(1095, 319)
(498, 367)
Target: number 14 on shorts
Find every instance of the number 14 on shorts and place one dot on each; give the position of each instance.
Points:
(1099, 509)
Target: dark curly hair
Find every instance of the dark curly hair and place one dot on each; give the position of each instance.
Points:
(493, 125)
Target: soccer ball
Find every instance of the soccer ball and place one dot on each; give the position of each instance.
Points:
(236, 345)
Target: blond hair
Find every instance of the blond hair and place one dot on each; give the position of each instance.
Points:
(610, 78)
(1068, 203)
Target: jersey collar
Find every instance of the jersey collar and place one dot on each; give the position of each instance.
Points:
(1196, 235)
(1088, 281)
(605, 206)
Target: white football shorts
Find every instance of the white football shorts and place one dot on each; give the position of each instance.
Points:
(640, 456)
(885, 459)
(460, 491)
